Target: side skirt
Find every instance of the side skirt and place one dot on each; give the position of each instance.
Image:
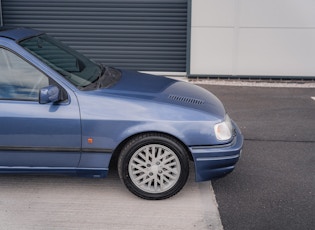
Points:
(84, 172)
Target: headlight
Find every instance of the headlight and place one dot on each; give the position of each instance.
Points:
(223, 130)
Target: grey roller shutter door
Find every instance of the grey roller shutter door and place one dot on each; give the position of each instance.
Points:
(148, 35)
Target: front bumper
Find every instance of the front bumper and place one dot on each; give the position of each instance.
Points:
(217, 161)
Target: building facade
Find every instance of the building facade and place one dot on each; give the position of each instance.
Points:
(211, 38)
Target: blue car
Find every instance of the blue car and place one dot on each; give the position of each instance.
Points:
(60, 112)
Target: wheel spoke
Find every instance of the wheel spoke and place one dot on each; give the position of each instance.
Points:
(137, 169)
(140, 178)
(155, 183)
(169, 169)
(153, 151)
(171, 176)
(139, 161)
(168, 159)
(147, 180)
(142, 156)
(158, 156)
(147, 155)
(165, 179)
(170, 164)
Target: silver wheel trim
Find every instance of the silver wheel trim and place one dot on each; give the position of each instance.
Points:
(154, 168)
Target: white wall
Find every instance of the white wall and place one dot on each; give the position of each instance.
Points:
(253, 37)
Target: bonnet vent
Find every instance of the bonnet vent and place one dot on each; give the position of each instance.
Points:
(186, 99)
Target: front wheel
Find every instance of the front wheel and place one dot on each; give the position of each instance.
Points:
(153, 166)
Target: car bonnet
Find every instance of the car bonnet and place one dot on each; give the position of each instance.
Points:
(166, 90)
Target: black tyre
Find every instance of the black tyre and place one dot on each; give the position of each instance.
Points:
(153, 166)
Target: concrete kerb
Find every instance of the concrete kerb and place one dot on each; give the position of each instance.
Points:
(249, 83)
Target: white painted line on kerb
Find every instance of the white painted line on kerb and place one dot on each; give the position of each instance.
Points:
(275, 84)
(254, 84)
(213, 209)
(209, 206)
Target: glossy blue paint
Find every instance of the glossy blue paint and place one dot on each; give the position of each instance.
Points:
(19, 33)
(56, 137)
(49, 94)
(217, 161)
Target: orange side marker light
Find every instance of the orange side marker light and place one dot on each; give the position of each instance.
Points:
(90, 140)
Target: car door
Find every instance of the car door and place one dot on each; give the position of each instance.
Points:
(33, 134)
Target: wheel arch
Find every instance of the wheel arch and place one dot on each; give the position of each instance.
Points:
(121, 145)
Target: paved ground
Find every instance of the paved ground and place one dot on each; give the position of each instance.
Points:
(273, 186)
(61, 202)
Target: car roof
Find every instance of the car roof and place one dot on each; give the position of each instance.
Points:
(18, 34)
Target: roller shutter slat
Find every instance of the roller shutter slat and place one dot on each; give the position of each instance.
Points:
(145, 35)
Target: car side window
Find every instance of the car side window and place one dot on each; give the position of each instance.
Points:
(19, 80)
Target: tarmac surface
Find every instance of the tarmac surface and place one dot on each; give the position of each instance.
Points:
(272, 187)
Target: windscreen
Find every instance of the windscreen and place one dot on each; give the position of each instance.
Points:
(75, 67)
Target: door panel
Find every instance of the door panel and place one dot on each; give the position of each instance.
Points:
(33, 134)
(38, 135)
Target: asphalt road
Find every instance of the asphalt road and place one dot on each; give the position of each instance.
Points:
(273, 186)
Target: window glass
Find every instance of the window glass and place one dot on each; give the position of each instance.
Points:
(19, 80)
(74, 66)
